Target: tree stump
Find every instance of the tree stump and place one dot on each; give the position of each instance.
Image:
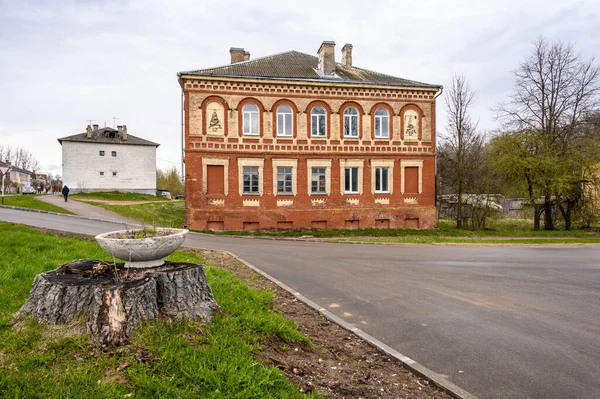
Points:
(112, 299)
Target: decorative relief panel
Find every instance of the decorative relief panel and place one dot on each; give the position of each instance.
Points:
(411, 125)
(411, 200)
(215, 118)
(383, 201)
(217, 202)
(353, 201)
(251, 202)
(285, 202)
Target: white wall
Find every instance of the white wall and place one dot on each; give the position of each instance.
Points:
(135, 166)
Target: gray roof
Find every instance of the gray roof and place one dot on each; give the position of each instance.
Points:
(101, 136)
(14, 168)
(294, 65)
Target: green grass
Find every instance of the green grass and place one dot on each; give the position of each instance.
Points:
(188, 360)
(119, 196)
(29, 201)
(509, 231)
(162, 214)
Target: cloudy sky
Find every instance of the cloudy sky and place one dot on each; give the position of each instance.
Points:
(64, 62)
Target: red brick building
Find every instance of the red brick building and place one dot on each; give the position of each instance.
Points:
(294, 141)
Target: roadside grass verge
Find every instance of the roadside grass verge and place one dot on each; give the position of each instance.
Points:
(178, 360)
(29, 201)
(118, 196)
(162, 214)
(507, 231)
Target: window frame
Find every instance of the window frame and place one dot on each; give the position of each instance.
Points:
(380, 118)
(404, 163)
(101, 153)
(113, 153)
(281, 128)
(351, 179)
(316, 170)
(114, 174)
(287, 185)
(101, 173)
(318, 123)
(321, 163)
(258, 162)
(249, 115)
(251, 174)
(379, 173)
(348, 117)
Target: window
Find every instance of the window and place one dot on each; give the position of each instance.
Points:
(381, 180)
(101, 174)
(114, 174)
(350, 122)
(317, 118)
(284, 121)
(250, 179)
(318, 181)
(101, 153)
(113, 153)
(351, 180)
(250, 122)
(382, 123)
(284, 180)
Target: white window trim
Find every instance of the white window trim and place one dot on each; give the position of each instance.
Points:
(291, 114)
(288, 163)
(249, 113)
(312, 122)
(411, 163)
(215, 161)
(319, 163)
(260, 162)
(387, 116)
(383, 163)
(351, 163)
(350, 116)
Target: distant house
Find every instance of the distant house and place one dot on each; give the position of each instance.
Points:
(17, 178)
(108, 159)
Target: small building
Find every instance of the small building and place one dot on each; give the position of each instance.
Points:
(296, 141)
(108, 159)
(16, 179)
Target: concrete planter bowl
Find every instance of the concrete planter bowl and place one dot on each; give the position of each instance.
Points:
(142, 252)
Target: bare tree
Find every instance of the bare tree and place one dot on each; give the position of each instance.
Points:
(555, 89)
(461, 140)
(19, 157)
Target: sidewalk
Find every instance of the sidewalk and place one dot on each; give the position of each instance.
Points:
(86, 210)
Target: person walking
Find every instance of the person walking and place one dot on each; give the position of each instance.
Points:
(65, 192)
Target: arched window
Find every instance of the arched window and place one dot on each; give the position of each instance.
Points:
(350, 122)
(251, 120)
(284, 121)
(317, 119)
(382, 123)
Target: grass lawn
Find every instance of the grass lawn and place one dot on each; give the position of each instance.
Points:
(118, 196)
(164, 214)
(508, 231)
(167, 360)
(29, 201)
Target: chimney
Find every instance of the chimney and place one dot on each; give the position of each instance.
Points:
(327, 58)
(124, 132)
(238, 55)
(347, 55)
(246, 56)
(89, 131)
(95, 128)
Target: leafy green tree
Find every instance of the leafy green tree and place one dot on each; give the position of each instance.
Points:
(555, 91)
(169, 180)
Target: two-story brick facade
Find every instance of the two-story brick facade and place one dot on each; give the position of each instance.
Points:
(294, 141)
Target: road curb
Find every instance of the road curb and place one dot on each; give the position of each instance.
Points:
(439, 381)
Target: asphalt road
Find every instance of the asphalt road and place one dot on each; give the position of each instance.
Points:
(499, 321)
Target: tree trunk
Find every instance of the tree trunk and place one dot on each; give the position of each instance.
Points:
(111, 300)
(548, 221)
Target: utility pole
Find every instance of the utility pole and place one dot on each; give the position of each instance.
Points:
(3, 170)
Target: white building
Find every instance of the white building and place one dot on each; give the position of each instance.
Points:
(108, 160)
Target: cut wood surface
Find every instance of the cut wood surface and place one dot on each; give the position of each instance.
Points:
(109, 300)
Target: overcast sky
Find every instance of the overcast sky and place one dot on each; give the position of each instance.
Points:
(64, 62)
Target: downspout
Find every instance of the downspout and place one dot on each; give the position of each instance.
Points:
(182, 134)
(437, 207)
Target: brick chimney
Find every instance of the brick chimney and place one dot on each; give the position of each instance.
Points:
(347, 55)
(124, 133)
(95, 128)
(238, 55)
(89, 131)
(327, 58)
